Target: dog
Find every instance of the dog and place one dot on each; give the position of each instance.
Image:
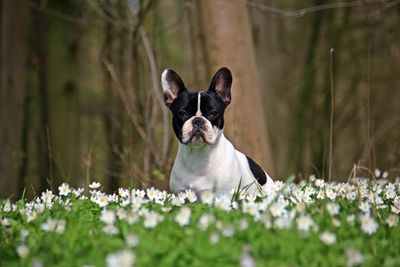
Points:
(206, 160)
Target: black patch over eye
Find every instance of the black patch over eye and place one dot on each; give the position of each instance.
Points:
(182, 113)
(214, 113)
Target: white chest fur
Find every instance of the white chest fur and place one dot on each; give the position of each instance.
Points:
(217, 167)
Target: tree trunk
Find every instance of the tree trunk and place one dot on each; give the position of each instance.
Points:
(229, 43)
(12, 91)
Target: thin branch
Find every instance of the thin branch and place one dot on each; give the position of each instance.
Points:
(304, 11)
(157, 92)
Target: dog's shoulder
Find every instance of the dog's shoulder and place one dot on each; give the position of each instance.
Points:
(257, 171)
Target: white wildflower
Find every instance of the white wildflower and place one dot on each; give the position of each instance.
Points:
(64, 189)
(350, 218)
(191, 196)
(368, 224)
(132, 240)
(214, 238)
(102, 200)
(110, 229)
(49, 226)
(377, 172)
(22, 251)
(204, 221)
(47, 197)
(94, 185)
(328, 238)
(207, 197)
(175, 201)
(108, 216)
(60, 228)
(123, 258)
(304, 223)
(243, 224)
(335, 222)
(7, 206)
(246, 259)
(183, 216)
(385, 174)
(152, 193)
(354, 257)
(365, 207)
(332, 208)
(228, 231)
(392, 220)
(223, 202)
(182, 196)
(395, 208)
(151, 219)
(124, 193)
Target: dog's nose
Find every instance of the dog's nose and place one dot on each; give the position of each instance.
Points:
(197, 122)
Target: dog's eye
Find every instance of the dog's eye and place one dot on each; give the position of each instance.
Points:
(214, 113)
(182, 113)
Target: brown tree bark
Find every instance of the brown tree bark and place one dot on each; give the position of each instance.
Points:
(12, 91)
(229, 42)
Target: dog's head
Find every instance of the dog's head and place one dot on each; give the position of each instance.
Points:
(198, 118)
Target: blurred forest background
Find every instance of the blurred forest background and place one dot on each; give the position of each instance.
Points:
(315, 91)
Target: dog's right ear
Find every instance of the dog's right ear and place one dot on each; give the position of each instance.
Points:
(172, 85)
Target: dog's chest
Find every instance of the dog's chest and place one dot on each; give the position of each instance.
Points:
(216, 170)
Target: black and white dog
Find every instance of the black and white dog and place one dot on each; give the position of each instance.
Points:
(206, 160)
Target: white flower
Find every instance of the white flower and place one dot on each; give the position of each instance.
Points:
(183, 216)
(335, 222)
(49, 226)
(395, 208)
(368, 224)
(102, 200)
(228, 231)
(64, 189)
(123, 258)
(377, 172)
(152, 193)
(246, 259)
(124, 193)
(22, 251)
(390, 191)
(304, 223)
(328, 238)
(132, 240)
(332, 208)
(175, 201)
(365, 207)
(7, 206)
(182, 196)
(60, 228)
(94, 185)
(24, 233)
(354, 257)
(110, 229)
(330, 193)
(385, 174)
(205, 220)
(108, 216)
(47, 197)
(277, 209)
(207, 197)
(191, 196)
(78, 191)
(223, 202)
(350, 218)
(392, 220)
(243, 224)
(151, 219)
(319, 183)
(214, 238)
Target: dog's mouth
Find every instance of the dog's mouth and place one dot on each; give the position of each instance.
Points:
(197, 137)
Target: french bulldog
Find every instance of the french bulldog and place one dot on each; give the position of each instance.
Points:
(206, 159)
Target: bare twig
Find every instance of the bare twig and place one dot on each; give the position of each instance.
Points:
(331, 119)
(304, 11)
(157, 92)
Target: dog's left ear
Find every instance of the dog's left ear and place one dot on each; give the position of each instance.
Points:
(221, 84)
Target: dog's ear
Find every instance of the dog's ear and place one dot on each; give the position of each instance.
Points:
(221, 84)
(172, 85)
